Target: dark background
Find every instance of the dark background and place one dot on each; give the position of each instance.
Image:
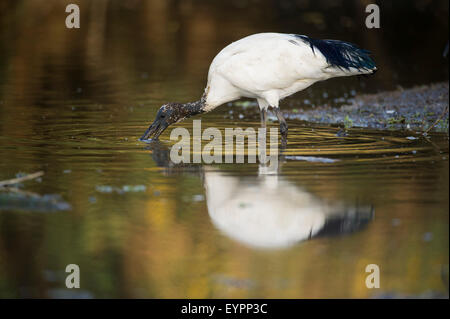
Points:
(128, 46)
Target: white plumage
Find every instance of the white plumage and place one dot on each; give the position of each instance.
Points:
(268, 67)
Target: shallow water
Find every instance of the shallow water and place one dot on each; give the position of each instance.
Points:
(140, 227)
(390, 196)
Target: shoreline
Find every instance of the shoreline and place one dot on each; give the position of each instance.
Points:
(417, 108)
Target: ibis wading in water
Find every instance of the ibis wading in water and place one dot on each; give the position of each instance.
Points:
(267, 67)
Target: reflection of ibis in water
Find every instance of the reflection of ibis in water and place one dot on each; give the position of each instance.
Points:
(270, 212)
(267, 211)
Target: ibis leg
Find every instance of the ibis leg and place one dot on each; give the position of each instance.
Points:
(263, 118)
(282, 121)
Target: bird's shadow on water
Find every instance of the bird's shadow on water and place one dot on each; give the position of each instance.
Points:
(267, 210)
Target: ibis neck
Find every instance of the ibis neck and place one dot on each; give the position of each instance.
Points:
(194, 108)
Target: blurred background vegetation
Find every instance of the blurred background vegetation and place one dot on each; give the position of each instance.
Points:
(169, 38)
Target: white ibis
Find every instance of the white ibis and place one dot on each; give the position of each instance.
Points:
(267, 67)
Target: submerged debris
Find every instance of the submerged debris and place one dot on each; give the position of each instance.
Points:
(27, 201)
(311, 159)
(429, 294)
(20, 178)
(121, 190)
(341, 133)
(233, 282)
(14, 198)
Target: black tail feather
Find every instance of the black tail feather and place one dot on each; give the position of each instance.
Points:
(340, 54)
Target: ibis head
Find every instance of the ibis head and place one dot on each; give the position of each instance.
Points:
(169, 114)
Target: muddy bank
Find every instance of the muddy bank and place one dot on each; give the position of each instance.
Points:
(416, 109)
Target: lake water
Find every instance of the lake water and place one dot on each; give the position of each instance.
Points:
(73, 104)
